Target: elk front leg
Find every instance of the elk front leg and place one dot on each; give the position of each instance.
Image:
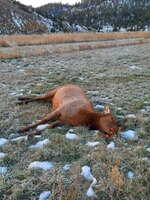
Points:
(50, 117)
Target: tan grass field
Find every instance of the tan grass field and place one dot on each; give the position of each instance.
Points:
(21, 40)
(36, 45)
(115, 72)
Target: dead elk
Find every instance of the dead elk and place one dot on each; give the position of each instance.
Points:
(71, 106)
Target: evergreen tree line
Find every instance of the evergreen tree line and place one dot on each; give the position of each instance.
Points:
(94, 14)
(130, 14)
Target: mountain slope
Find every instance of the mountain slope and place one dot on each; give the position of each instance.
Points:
(16, 18)
(129, 14)
(21, 19)
(97, 14)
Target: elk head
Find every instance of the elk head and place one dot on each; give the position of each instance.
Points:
(107, 124)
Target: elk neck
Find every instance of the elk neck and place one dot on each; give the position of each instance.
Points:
(92, 118)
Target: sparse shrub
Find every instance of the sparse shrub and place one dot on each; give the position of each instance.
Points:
(14, 54)
(36, 51)
(85, 47)
(116, 178)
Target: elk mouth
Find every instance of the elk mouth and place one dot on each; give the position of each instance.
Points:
(107, 135)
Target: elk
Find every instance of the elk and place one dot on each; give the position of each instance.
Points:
(71, 106)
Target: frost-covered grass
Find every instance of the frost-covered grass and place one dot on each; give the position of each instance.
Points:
(120, 167)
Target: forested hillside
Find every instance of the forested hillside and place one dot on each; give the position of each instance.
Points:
(97, 14)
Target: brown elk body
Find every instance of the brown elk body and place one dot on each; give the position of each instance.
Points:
(71, 106)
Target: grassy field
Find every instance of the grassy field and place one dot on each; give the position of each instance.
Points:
(38, 45)
(22, 40)
(118, 75)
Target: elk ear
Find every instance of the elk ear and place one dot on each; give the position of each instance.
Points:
(106, 110)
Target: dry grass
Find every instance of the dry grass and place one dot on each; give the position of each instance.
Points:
(98, 45)
(21, 40)
(35, 52)
(4, 56)
(10, 44)
(28, 51)
(116, 178)
(14, 53)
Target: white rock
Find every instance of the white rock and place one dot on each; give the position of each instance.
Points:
(111, 145)
(93, 92)
(71, 136)
(3, 170)
(147, 108)
(38, 136)
(66, 167)
(94, 182)
(90, 193)
(131, 116)
(142, 110)
(130, 175)
(12, 135)
(146, 119)
(81, 78)
(3, 141)
(148, 149)
(134, 67)
(40, 144)
(146, 102)
(23, 138)
(12, 93)
(71, 130)
(119, 109)
(145, 159)
(92, 144)
(45, 195)
(96, 132)
(19, 138)
(17, 93)
(99, 107)
(21, 70)
(120, 117)
(2, 155)
(41, 165)
(86, 173)
(129, 135)
(41, 127)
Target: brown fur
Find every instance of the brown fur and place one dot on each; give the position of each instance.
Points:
(71, 106)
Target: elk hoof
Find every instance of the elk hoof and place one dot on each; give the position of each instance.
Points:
(30, 136)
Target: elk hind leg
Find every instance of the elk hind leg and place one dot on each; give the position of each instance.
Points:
(50, 117)
(47, 97)
(52, 125)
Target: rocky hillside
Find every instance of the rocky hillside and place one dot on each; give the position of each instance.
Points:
(16, 18)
